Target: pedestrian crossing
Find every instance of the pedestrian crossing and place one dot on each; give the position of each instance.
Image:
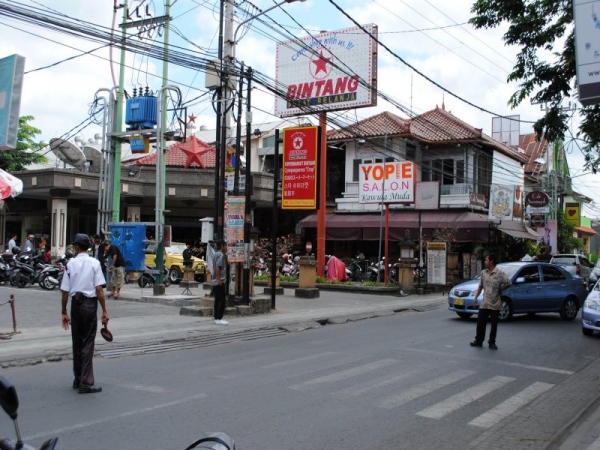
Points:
(387, 384)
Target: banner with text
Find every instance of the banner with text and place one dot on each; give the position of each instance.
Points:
(392, 182)
(300, 152)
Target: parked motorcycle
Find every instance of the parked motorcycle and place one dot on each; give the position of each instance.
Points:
(10, 404)
(354, 271)
(289, 267)
(28, 271)
(148, 277)
(261, 267)
(376, 270)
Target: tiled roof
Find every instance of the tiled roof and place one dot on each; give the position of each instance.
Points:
(176, 157)
(533, 149)
(379, 125)
(439, 125)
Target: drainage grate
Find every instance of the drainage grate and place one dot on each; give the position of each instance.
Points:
(426, 307)
(201, 341)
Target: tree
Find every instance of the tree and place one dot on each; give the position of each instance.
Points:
(27, 148)
(538, 28)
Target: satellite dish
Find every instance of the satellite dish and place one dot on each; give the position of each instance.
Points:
(93, 155)
(67, 152)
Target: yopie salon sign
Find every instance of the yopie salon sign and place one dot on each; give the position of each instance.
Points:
(392, 182)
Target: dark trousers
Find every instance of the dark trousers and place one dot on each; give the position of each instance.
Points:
(482, 319)
(84, 324)
(219, 307)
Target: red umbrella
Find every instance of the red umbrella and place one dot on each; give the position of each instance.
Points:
(4, 189)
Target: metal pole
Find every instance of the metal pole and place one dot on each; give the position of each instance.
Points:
(248, 212)
(322, 213)
(218, 147)
(275, 219)
(238, 137)
(115, 169)
(14, 315)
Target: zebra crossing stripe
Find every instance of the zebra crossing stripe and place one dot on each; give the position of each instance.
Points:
(423, 389)
(510, 405)
(363, 388)
(461, 399)
(299, 360)
(344, 374)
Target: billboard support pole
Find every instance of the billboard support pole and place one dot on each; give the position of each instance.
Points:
(322, 213)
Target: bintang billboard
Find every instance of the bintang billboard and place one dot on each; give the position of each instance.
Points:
(327, 72)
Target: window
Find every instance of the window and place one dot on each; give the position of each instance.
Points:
(552, 274)
(448, 171)
(530, 273)
(269, 141)
(411, 152)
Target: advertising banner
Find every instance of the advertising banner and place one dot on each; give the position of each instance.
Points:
(328, 71)
(392, 182)
(300, 152)
(427, 195)
(11, 83)
(501, 202)
(436, 263)
(573, 214)
(234, 227)
(587, 49)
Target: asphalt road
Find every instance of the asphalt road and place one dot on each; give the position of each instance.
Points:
(405, 381)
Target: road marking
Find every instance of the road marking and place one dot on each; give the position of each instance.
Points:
(92, 423)
(506, 363)
(355, 391)
(424, 388)
(140, 387)
(511, 405)
(461, 399)
(299, 360)
(344, 374)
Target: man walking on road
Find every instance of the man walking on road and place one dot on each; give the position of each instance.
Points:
(82, 282)
(493, 281)
(218, 282)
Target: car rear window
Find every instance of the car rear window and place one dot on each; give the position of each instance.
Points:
(565, 260)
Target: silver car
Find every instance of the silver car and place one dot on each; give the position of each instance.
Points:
(577, 265)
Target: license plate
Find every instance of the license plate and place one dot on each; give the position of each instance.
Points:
(459, 302)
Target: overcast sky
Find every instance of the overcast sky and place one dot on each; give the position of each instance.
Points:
(430, 35)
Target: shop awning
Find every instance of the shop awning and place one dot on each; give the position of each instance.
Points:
(518, 230)
(339, 226)
(585, 230)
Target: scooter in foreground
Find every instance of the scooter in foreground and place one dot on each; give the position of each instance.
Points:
(10, 404)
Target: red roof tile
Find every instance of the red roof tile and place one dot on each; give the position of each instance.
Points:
(176, 157)
(379, 125)
(439, 125)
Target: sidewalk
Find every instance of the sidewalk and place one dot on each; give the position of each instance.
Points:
(140, 317)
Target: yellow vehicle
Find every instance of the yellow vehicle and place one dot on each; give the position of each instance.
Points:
(173, 261)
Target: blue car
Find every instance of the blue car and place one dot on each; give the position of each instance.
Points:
(536, 287)
(590, 313)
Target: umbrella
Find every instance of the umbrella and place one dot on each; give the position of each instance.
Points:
(15, 185)
(5, 189)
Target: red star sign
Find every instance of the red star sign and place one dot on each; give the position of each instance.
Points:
(321, 63)
(193, 118)
(194, 152)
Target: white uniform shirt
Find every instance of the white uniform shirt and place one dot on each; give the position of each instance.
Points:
(83, 274)
(28, 246)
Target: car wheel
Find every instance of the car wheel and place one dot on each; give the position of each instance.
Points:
(568, 310)
(587, 331)
(175, 274)
(464, 315)
(505, 311)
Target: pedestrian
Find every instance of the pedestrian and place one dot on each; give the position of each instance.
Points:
(219, 280)
(493, 281)
(115, 265)
(99, 253)
(29, 243)
(82, 283)
(12, 242)
(46, 254)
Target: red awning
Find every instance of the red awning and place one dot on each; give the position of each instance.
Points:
(341, 226)
(585, 230)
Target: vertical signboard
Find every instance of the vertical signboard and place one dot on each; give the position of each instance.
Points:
(234, 228)
(300, 151)
(11, 82)
(436, 263)
(587, 49)
(327, 71)
(392, 182)
(573, 214)
(427, 195)
(501, 202)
